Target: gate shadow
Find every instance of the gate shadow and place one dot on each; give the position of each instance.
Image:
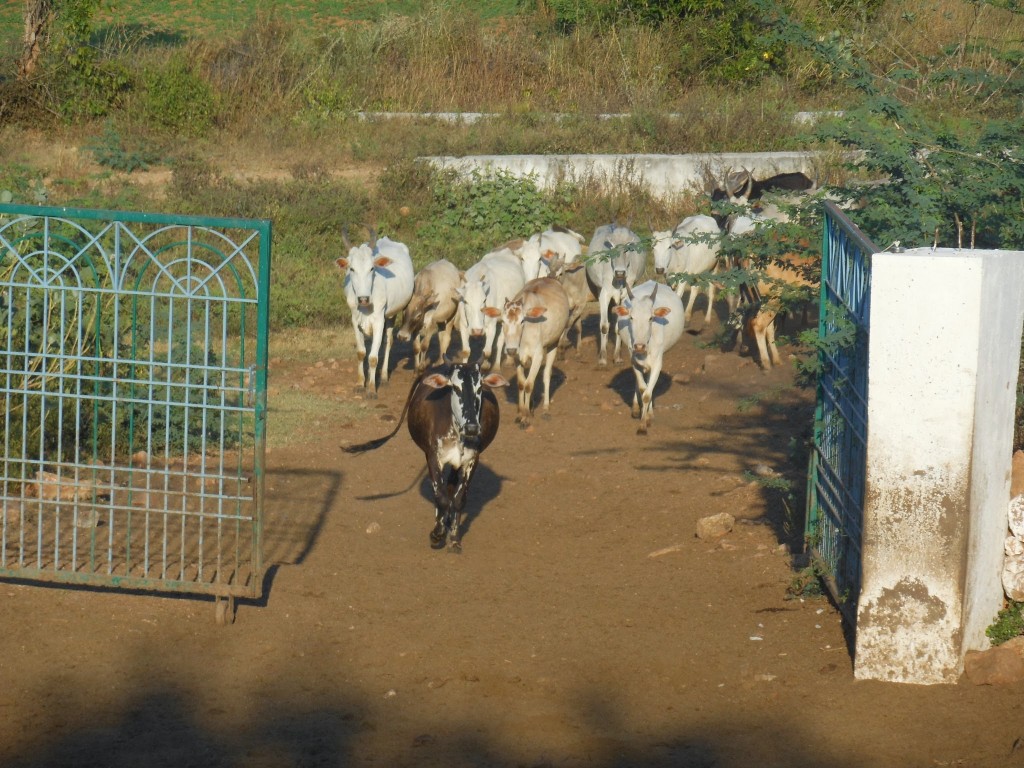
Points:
(296, 505)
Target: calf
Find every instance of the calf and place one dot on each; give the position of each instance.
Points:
(691, 248)
(378, 284)
(650, 323)
(534, 321)
(453, 417)
(432, 309)
(615, 260)
(484, 288)
(767, 301)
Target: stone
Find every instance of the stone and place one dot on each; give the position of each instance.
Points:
(1013, 568)
(996, 666)
(1017, 474)
(1015, 516)
(714, 527)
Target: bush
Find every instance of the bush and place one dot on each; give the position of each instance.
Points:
(176, 98)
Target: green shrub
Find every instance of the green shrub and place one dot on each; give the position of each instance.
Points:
(471, 216)
(178, 99)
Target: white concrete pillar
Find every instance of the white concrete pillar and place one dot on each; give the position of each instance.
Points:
(943, 356)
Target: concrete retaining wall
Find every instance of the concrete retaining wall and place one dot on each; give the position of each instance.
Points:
(663, 175)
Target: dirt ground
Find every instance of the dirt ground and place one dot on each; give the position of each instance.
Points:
(583, 624)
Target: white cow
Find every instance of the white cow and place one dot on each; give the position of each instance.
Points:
(557, 241)
(378, 285)
(650, 323)
(534, 320)
(432, 309)
(484, 288)
(615, 260)
(691, 248)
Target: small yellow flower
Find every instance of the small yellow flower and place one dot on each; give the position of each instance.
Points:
(767, 56)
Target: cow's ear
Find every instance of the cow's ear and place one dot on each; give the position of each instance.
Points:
(382, 261)
(436, 380)
(536, 311)
(574, 267)
(661, 311)
(342, 264)
(492, 311)
(493, 380)
(620, 310)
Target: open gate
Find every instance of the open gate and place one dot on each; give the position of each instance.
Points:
(133, 366)
(836, 477)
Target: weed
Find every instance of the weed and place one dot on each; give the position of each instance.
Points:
(111, 151)
(1009, 624)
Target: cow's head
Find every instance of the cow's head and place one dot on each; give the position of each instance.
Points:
(639, 318)
(466, 383)
(359, 268)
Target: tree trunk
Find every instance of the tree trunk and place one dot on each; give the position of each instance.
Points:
(37, 20)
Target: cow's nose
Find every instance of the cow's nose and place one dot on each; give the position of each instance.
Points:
(363, 301)
(472, 430)
(476, 332)
(659, 270)
(640, 349)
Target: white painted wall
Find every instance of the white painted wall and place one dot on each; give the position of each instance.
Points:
(663, 175)
(942, 372)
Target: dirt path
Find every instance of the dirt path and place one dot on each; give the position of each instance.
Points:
(583, 624)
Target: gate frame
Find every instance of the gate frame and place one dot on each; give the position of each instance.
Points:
(836, 471)
(223, 592)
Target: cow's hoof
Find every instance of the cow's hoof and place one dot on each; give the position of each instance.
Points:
(437, 536)
(523, 423)
(455, 547)
(371, 394)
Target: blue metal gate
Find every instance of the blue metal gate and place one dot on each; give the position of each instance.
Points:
(835, 491)
(133, 361)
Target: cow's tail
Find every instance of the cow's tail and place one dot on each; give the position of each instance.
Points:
(370, 445)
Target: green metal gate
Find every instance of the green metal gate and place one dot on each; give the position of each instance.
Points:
(835, 486)
(133, 367)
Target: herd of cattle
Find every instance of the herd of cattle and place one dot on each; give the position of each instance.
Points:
(523, 300)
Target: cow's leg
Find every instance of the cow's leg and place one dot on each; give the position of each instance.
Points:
(490, 331)
(419, 353)
(442, 501)
(360, 351)
(711, 303)
(523, 398)
(769, 335)
(603, 302)
(389, 337)
(549, 364)
(444, 339)
(372, 359)
(638, 387)
(647, 397)
(759, 332)
(458, 502)
(688, 312)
